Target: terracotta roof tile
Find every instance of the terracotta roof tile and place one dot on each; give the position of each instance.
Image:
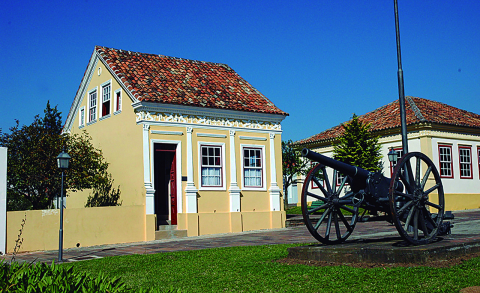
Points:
(158, 78)
(418, 110)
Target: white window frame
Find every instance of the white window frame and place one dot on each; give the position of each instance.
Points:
(466, 164)
(119, 106)
(264, 171)
(81, 117)
(313, 185)
(223, 185)
(103, 86)
(478, 160)
(446, 146)
(94, 107)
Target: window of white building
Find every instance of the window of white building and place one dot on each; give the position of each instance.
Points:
(465, 160)
(445, 159)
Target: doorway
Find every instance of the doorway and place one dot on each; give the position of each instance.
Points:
(165, 183)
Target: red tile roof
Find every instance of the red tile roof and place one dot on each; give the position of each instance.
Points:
(418, 110)
(158, 78)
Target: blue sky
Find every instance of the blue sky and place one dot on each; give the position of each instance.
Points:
(320, 61)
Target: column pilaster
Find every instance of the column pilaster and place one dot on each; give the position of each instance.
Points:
(190, 190)
(147, 181)
(234, 190)
(274, 189)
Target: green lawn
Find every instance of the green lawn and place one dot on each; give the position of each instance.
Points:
(253, 269)
(294, 211)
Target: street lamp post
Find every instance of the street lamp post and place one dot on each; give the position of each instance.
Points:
(62, 160)
(401, 89)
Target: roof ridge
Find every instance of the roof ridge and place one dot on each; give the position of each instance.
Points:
(415, 108)
(162, 56)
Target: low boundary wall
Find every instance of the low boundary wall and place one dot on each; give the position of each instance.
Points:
(82, 227)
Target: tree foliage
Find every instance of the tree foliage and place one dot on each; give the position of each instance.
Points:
(103, 194)
(33, 177)
(292, 165)
(358, 146)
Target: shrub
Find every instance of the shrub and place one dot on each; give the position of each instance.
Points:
(40, 277)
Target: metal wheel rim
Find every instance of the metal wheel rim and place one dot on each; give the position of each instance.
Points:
(417, 211)
(330, 226)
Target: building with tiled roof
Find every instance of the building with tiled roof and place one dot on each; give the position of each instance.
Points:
(193, 145)
(449, 136)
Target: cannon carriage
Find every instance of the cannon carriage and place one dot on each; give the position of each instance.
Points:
(341, 194)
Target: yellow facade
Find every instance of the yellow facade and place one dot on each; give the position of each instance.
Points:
(130, 139)
(117, 136)
(82, 227)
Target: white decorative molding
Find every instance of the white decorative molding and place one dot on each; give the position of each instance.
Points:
(165, 132)
(252, 138)
(211, 135)
(231, 132)
(199, 119)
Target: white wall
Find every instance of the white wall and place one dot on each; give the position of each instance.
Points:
(3, 200)
(456, 184)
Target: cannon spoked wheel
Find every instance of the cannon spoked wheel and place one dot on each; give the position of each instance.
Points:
(332, 216)
(417, 210)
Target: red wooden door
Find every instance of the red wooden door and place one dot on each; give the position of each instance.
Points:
(173, 191)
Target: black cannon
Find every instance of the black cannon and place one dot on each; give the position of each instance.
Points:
(341, 194)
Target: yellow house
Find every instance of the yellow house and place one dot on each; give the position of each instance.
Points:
(192, 142)
(449, 136)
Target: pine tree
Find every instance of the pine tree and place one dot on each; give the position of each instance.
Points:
(358, 146)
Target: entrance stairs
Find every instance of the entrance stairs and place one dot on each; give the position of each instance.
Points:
(169, 232)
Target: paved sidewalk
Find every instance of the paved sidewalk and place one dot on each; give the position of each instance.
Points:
(466, 225)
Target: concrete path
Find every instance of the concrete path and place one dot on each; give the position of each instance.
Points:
(466, 225)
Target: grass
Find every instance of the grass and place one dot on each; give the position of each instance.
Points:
(253, 269)
(294, 210)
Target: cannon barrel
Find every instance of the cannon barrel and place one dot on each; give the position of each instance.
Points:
(357, 173)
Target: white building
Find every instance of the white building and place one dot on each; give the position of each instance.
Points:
(449, 136)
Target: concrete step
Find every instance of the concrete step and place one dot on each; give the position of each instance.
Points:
(294, 221)
(169, 232)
